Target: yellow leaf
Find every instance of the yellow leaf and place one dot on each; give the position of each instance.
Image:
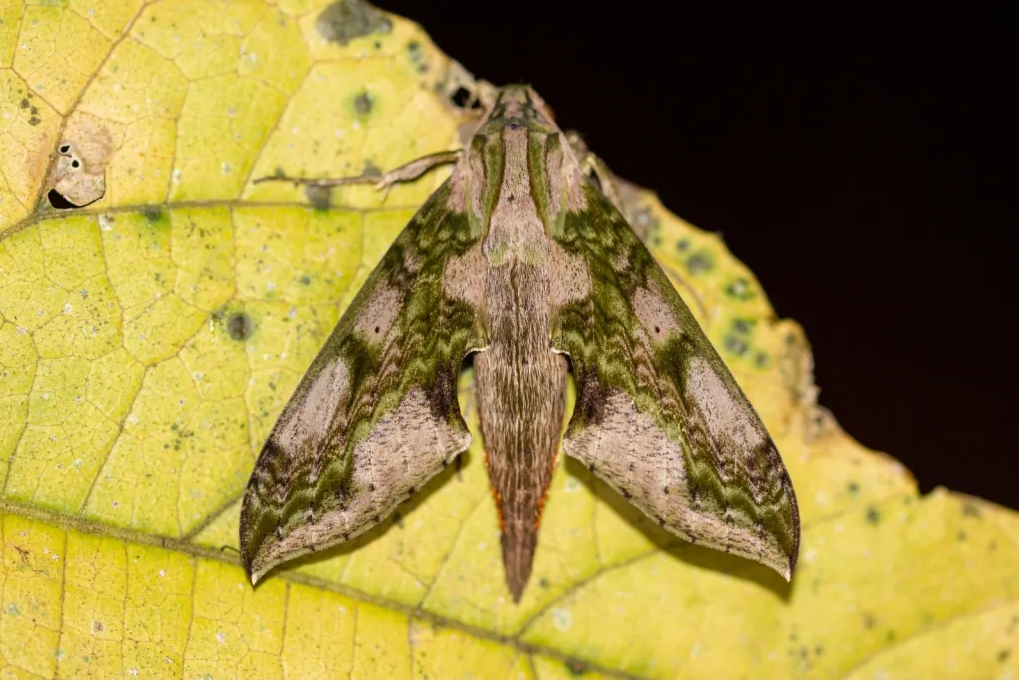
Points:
(149, 340)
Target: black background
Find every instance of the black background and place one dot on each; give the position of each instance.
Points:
(855, 159)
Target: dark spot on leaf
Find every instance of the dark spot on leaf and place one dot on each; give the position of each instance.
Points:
(239, 326)
(853, 488)
(873, 516)
(25, 103)
(304, 280)
(682, 245)
(34, 120)
(97, 626)
(869, 621)
(762, 360)
(645, 224)
(345, 20)
(961, 536)
(543, 583)
(577, 667)
(736, 346)
(1004, 655)
(743, 326)
(319, 197)
(970, 510)
(152, 214)
(363, 104)
(59, 201)
(416, 55)
(699, 263)
(739, 289)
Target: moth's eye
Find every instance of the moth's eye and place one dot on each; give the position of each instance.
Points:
(657, 330)
(377, 329)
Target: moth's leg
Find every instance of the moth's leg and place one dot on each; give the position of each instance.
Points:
(591, 163)
(405, 173)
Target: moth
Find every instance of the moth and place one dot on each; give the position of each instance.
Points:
(522, 262)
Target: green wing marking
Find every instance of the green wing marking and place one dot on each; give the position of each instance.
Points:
(659, 416)
(376, 415)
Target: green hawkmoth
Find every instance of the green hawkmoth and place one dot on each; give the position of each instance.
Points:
(520, 260)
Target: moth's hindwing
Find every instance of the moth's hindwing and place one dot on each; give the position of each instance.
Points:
(659, 416)
(376, 415)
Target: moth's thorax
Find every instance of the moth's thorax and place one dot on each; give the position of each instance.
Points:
(517, 181)
(515, 228)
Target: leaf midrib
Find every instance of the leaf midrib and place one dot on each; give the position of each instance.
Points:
(85, 526)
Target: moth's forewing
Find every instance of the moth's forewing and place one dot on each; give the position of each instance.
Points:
(659, 416)
(376, 415)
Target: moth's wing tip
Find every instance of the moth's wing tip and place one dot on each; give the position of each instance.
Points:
(256, 568)
(253, 555)
(793, 559)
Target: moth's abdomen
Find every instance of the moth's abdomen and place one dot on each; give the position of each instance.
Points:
(521, 386)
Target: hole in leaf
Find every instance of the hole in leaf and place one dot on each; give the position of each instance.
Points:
(58, 201)
(463, 98)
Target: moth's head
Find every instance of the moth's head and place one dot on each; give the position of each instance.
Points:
(520, 104)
